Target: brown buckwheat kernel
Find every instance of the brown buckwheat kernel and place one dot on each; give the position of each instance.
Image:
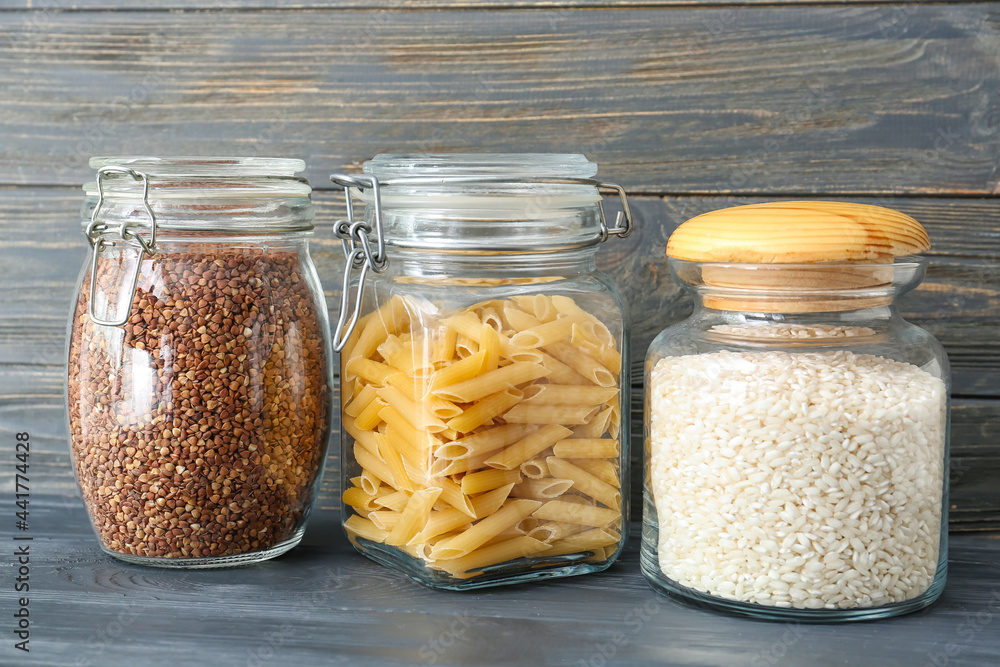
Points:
(199, 427)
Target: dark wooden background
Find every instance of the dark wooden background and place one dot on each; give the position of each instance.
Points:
(691, 106)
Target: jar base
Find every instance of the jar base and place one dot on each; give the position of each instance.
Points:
(498, 575)
(693, 598)
(212, 562)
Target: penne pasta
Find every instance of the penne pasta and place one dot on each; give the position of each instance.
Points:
(535, 469)
(414, 516)
(483, 530)
(586, 448)
(370, 483)
(373, 329)
(451, 493)
(385, 519)
(413, 412)
(394, 462)
(596, 427)
(371, 464)
(368, 370)
(590, 540)
(394, 500)
(488, 503)
(440, 522)
(487, 480)
(521, 546)
(485, 410)
(528, 446)
(557, 394)
(572, 512)
(489, 342)
(543, 308)
(444, 345)
(492, 382)
(520, 320)
(583, 364)
(482, 434)
(602, 469)
(608, 357)
(585, 483)
(560, 373)
(361, 400)
(442, 467)
(484, 442)
(558, 530)
(491, 318)
(465, 347)
(460, 371)
(524, 413)
(541, 489)
(359, 500)
(361, 527)
(547, 333)
(368, 418)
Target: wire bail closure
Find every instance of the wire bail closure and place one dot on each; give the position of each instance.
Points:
(95, 232)
(355, 235)
(623, 219)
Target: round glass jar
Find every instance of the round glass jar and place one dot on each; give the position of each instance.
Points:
(199, 373)
(796, 427)
(483, 379)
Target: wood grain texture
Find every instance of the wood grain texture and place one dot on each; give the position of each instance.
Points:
(31, 399)
(323, 604)
(105, 5)
(42, 250)
(761, 99)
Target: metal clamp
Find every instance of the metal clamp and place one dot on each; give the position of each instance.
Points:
(94, 234)
(355, 237)
(623, 220)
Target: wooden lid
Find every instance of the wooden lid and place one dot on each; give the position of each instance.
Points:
(798, 232)
(832, 244)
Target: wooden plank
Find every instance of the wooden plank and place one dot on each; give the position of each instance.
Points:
(31, 399)
(757, 99)
(324, 604)
(171, 5)
(42, 250)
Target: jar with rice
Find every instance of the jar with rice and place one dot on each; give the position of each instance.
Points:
(796, 426)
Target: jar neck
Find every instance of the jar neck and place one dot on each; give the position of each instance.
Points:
(799, 289)
(436, 265)
(482, 202)
(234, 195)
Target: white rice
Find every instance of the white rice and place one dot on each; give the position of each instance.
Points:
(806, 480)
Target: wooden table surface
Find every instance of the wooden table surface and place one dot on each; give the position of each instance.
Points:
(324, 604)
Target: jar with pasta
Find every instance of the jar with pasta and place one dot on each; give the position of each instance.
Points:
(796, 426)
(483, 379)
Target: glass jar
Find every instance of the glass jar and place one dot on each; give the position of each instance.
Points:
(198, 373)
(796, 427)
(483, 379)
